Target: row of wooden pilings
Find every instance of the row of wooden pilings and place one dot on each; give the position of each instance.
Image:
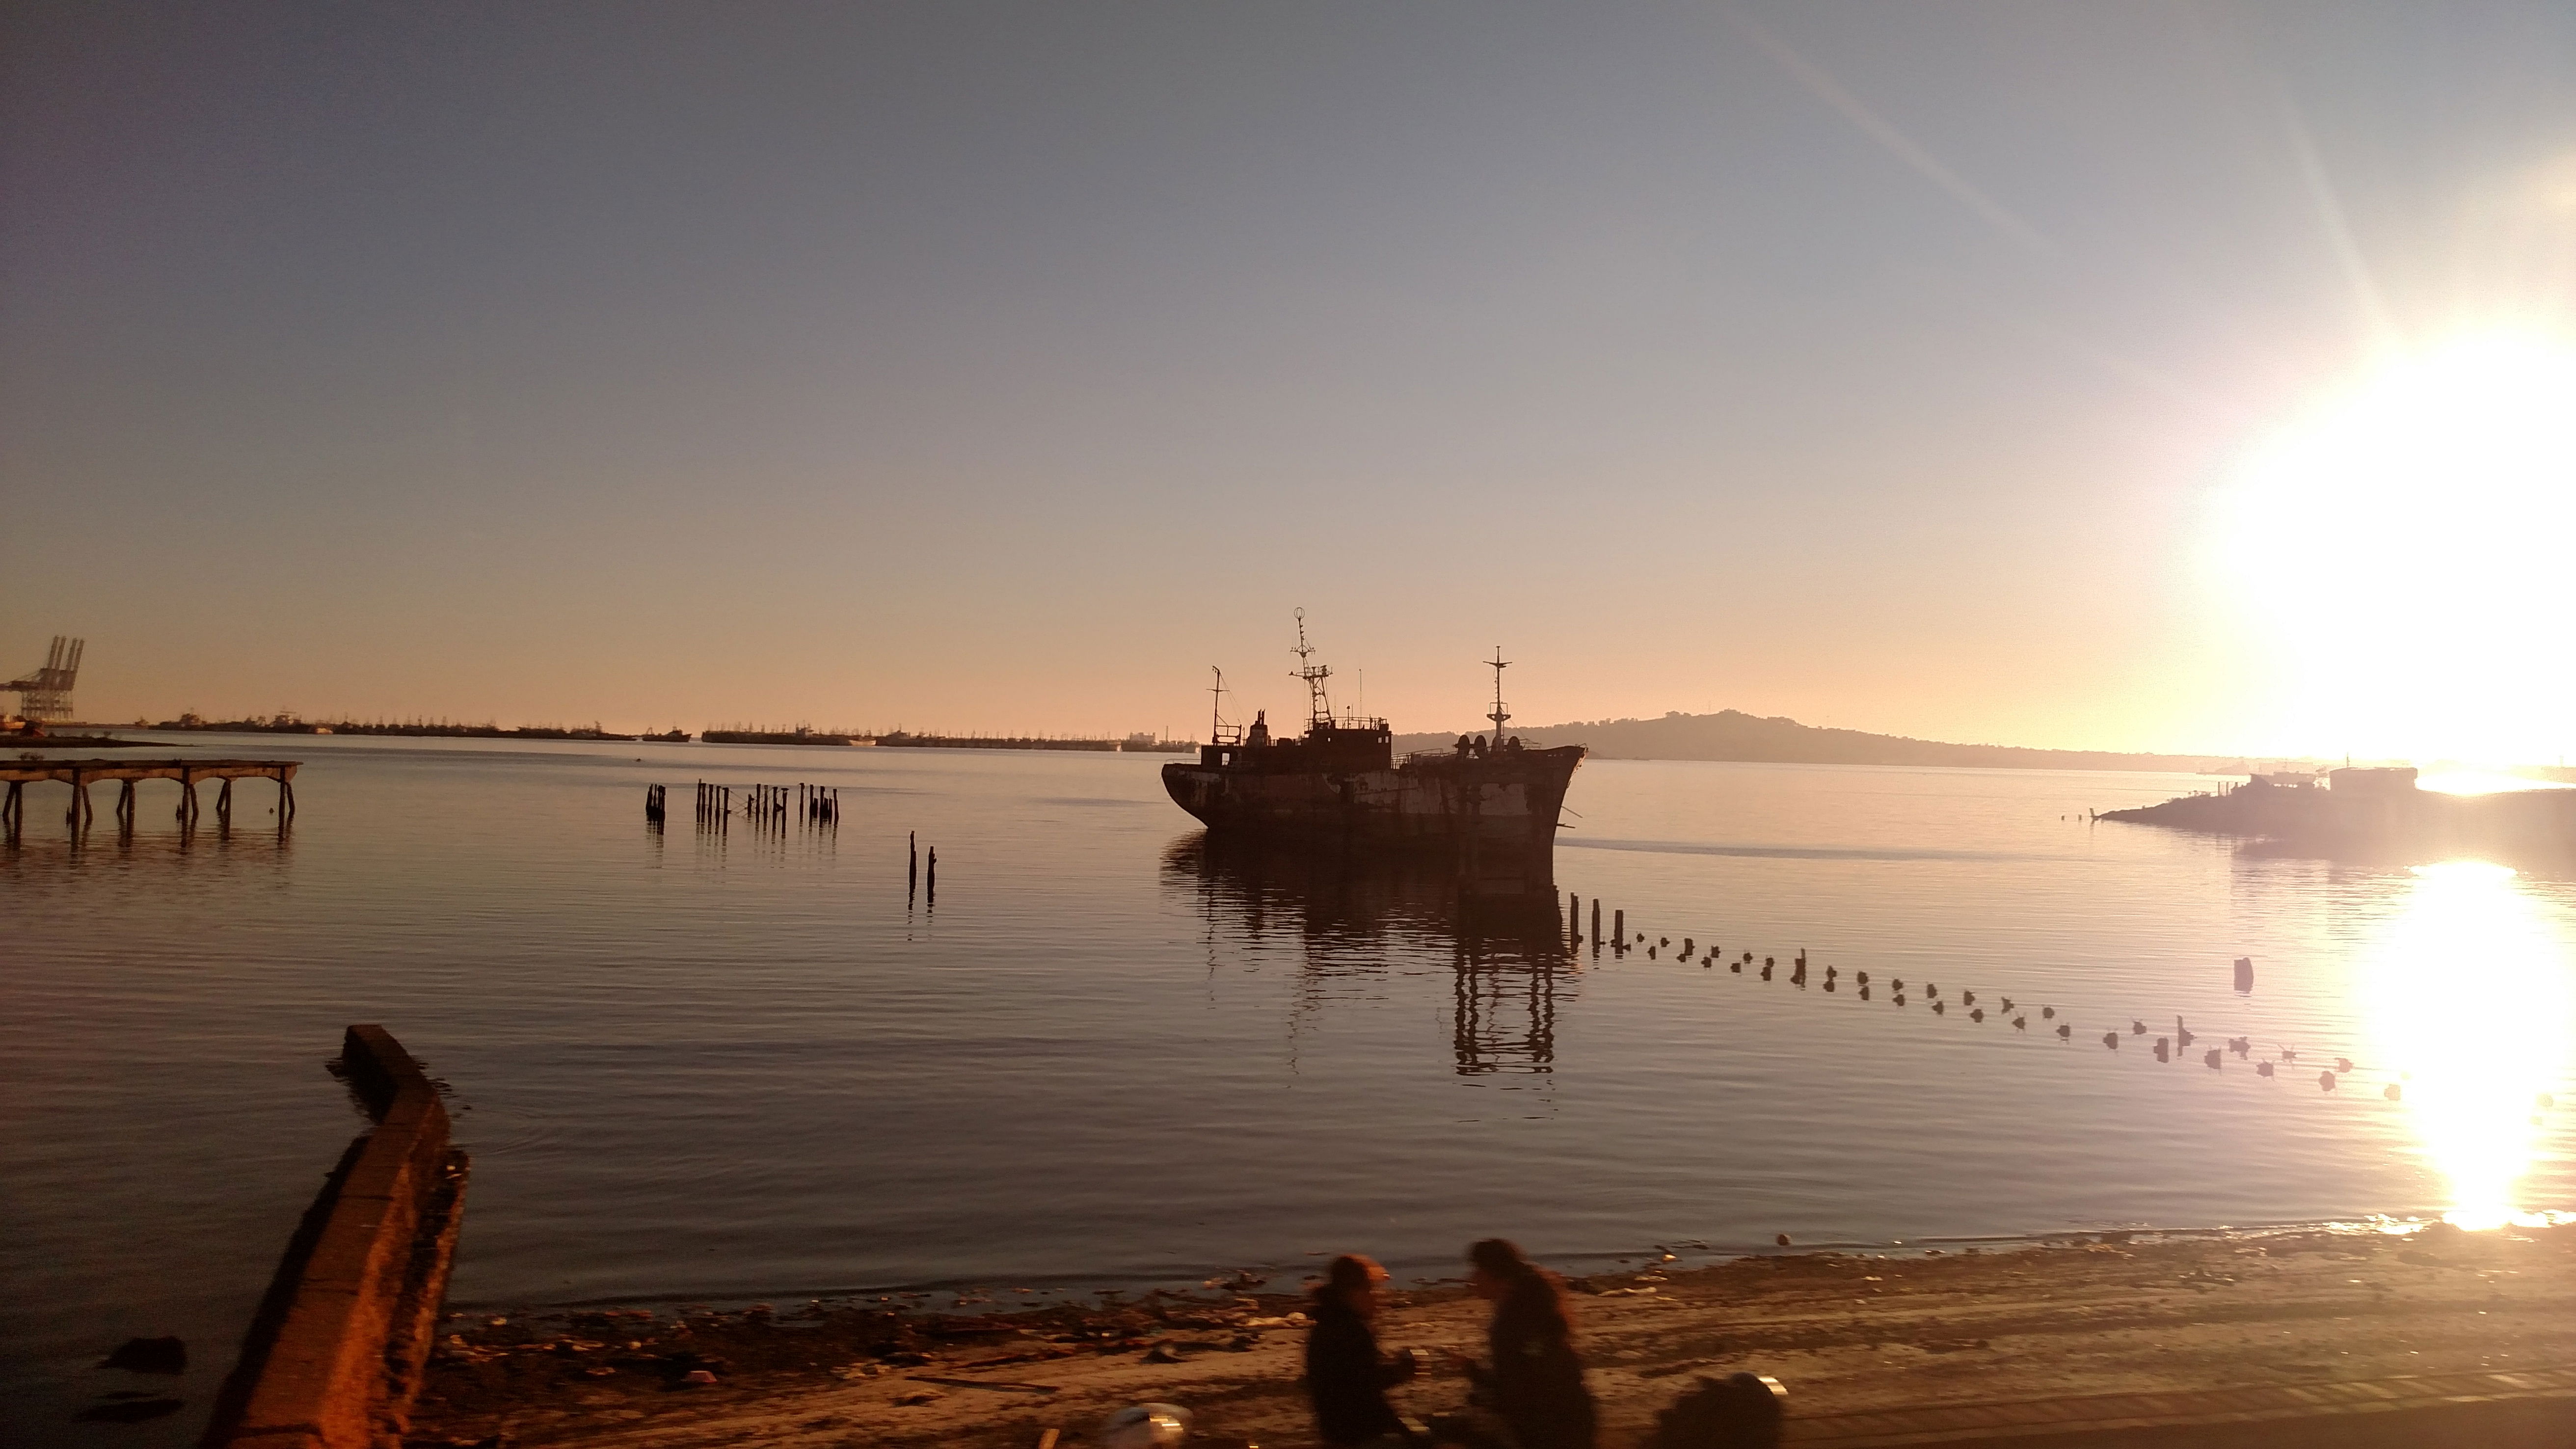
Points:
(770, 806)
(1574, 925)
(2166, 1048)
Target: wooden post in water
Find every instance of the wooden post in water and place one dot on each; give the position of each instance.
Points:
(224, 804)
(930, 886)
(1596, 925)
(1620, 931)
(912, 860)
(1573, 919)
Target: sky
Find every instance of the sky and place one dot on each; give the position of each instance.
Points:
(1987, 372)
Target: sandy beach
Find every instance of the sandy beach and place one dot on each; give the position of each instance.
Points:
(1844, 1332)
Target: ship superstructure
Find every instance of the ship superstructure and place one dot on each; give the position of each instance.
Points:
(1339, 782)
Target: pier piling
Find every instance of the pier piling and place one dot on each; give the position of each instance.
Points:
(1619, 932)
(82, 812)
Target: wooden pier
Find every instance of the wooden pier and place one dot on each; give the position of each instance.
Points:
(81, 774)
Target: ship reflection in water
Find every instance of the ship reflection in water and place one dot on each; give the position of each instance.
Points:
(2466, 994)
(1503, 939)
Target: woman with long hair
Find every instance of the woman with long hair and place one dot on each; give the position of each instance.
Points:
(1533, 1380)
(1346, 1377)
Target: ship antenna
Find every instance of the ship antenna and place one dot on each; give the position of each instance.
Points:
(1319, 710)
(1498, 664)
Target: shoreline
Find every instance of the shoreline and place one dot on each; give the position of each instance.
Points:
(1845, 1331)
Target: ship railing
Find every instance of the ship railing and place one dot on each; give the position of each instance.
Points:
(1228, 735)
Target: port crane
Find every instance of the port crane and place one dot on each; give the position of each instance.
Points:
(45, 695)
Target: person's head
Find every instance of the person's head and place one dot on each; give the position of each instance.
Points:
(1498, 1268)
(1351, 1281)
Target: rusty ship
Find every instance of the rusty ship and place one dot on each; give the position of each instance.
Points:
(1339, 784)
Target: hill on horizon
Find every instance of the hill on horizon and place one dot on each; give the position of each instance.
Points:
(1736, 736)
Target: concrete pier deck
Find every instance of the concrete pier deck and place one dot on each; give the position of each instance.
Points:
(81, 774)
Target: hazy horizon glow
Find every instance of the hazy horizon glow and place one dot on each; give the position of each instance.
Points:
(1000, 368)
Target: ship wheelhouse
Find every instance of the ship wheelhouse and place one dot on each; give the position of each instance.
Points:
(1350, 747)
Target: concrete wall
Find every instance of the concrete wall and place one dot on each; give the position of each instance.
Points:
(336, 1352)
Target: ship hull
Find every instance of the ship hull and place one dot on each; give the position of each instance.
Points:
(1506, 802)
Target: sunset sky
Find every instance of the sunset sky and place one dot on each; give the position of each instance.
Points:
(2141, 375)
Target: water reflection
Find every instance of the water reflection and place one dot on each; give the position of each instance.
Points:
(1501, 938)
(2466, 999)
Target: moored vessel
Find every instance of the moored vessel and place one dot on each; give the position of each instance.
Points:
(1340, 784)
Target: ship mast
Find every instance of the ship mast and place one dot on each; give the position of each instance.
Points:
(1498, 664)
(1216, 709)
(1319, 710)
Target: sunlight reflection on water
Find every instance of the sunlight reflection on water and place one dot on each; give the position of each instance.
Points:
(2467, 999)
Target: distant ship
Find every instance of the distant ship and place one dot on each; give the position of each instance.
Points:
(1340, 783)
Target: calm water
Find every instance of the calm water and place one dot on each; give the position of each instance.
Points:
(745, 1066)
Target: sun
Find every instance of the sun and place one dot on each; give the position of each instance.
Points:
(2402, 551)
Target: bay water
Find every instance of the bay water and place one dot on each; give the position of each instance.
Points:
(724, 1065)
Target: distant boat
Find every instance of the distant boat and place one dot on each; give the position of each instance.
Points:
(773, 737)
(1340, 784)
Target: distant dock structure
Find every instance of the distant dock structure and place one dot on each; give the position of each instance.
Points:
(127, 774)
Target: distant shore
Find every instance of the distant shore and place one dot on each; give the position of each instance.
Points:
(1728, 736)
(1844, 1331)
(1736, 737)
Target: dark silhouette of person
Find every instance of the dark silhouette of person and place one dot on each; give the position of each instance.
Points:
(1534, 1381)
(1346, 1376)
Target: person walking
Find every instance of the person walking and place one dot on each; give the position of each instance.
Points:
(1346, 1376)
(1533, 1381)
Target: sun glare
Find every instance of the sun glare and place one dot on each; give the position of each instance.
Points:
(2482, 782)
(2467, 1001)
(2402, 550)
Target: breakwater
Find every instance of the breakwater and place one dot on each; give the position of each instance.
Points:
(291, 724)
(1132, 744)
(335, 1355)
